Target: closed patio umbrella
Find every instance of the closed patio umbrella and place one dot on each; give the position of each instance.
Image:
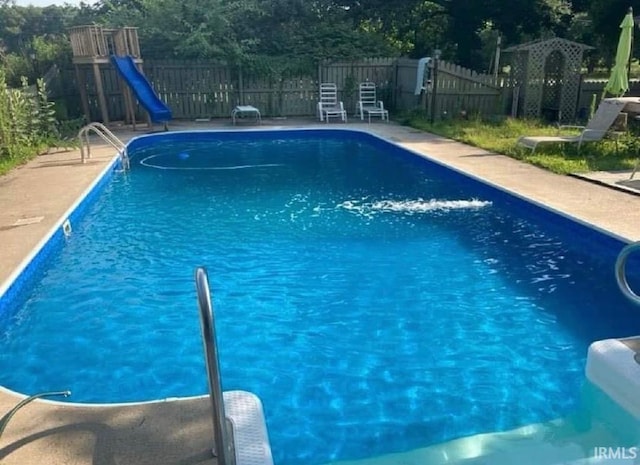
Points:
(618, 82)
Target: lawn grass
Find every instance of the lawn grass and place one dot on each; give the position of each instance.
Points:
(501, 136)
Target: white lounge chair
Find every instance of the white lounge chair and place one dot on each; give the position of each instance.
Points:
(369, 104)
(597, 127)
(328, 105)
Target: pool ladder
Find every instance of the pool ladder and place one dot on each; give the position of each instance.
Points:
(621, 276)
(105, 134)
(222, 432)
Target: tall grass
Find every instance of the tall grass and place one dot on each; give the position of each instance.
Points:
(500, 136)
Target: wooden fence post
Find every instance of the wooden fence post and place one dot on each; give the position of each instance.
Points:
(395, 84)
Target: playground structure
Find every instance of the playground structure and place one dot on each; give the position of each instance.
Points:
(95, 46)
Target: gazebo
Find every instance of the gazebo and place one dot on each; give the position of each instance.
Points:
(545, 77)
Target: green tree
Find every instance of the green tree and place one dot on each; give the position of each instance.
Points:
(606, 17)
(32, 39)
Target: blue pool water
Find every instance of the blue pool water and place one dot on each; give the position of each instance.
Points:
(374, 301)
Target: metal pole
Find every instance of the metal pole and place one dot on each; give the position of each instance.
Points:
(213, 371)
(631, 51)
(434, 84)
(496, 64)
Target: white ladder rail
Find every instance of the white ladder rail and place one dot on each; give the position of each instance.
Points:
(105, 134)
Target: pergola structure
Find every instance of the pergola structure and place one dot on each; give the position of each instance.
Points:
(92, 46)
(546, 76)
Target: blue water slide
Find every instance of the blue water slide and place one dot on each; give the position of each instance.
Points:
(157, 109)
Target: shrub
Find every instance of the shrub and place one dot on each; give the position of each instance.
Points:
(27, 123)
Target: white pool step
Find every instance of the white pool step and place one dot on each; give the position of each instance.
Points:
(244, 410)
(612, 366)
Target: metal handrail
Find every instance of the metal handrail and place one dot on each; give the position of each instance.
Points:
(620, 270)
(5, 420)
(223, 446)
(105, 134)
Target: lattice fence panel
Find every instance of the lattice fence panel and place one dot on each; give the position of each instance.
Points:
(571, 85)
(535, 81)
(548, 75)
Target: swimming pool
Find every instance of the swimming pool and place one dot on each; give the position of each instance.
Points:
(375, 302)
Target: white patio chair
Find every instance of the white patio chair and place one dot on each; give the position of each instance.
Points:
(328, 105)
(369, 104)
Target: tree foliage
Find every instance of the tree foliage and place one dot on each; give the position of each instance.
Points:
(606, 17)
(305, 31)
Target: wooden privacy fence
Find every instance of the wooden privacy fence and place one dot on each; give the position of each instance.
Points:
(460, 90)
(209, 89)
(194, 89)
(593, 87)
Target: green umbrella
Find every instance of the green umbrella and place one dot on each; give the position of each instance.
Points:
(618, 82)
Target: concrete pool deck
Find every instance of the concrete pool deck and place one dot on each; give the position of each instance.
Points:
(180, 432)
